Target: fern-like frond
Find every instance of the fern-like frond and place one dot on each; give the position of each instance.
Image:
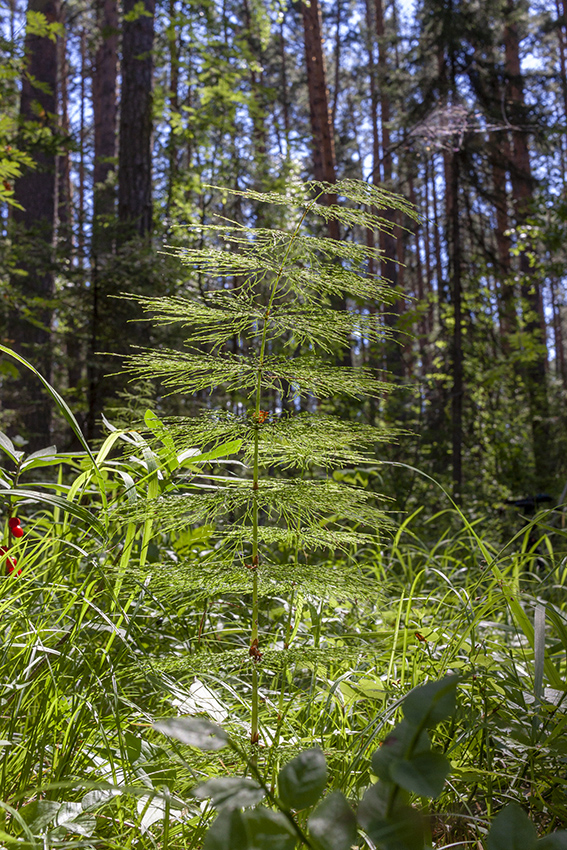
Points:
(205, 579)
(272, 661)
(307, 375)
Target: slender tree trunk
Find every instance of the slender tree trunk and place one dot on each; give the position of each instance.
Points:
(522, 193)
(36, 191)
(134, 159)
(105, 112)
(324, 163)
(561, 9)
(560, 361)
(173, 97)
(105, 76)
(457, 343)
(337, 61)
(506, 300)
(284, 85)
(65, 247)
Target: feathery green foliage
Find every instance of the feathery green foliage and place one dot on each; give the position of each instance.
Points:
(276, 292)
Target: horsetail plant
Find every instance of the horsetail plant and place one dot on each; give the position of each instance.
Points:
(264, 326)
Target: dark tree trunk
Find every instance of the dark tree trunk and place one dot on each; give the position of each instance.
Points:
(324, 163)
(65, 247)
(506, 300)
(105, 124)
(457, 343)
(135, 160)
(173, 97)
(388, 264)
(522, 193)
(105, 73)
(36, 191)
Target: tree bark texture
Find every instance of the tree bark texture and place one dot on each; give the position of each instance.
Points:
(457, 346)
(135, 161)
(105, 119)
(29, 330)
(522, 193)
(324, 162)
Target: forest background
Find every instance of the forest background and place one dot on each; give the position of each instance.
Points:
(116, 122)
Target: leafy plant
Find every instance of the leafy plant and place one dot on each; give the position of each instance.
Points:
(277, 292)
(302, 815)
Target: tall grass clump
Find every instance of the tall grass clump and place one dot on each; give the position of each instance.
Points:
(267, 321)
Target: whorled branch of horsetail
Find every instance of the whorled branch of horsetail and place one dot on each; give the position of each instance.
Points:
(254, 639)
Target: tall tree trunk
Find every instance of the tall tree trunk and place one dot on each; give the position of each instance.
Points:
(36, 191)
(388, 264)
(105, 74)
(173, 97)
(284, 85)
(324, 162)
(522, 193)
(105, 125)
(560, 360)
(65, 247)
(134, 159)
(506, 300)
(561, 9)
(457, 343)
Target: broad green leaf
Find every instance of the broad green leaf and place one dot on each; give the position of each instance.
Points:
(403, 831)
(555, 841)
(131, 492)
(155, 424)
(302, 780)
(396, 746)
(423, 773)
(229, 448)
(431, 703)
(374, 804)
(230, 792)
(268, 830)
(228, 832)
(332, 826)
(7, 445)
(194, 731)
(512, 830)
(39, 814)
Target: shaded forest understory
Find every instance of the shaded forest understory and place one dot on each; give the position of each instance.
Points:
(283, 432)
(460, 109)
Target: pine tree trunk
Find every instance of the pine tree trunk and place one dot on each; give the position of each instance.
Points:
(457, 343)
(135, 160)
(105, 124)
(506, 300)
(173, 97)
(388, 264)
(65, 247)
(105, 74)
(522, 193)
(324, 163)
(36, 191)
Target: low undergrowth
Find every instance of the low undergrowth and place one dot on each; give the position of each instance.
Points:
(324, 677)
(82, 764)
